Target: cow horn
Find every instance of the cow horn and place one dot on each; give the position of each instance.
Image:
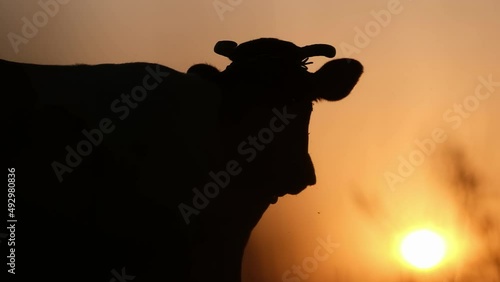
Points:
(225, 48)
(318, 50)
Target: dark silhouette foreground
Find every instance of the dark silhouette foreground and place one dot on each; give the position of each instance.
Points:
(140, 172)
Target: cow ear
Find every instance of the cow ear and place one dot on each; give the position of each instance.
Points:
(335, 79)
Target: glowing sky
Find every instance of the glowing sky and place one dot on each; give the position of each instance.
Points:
(421, 65)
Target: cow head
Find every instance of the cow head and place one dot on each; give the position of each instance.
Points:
(267, 97)
(268, 92)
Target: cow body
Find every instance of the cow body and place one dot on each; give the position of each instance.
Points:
(137, 169)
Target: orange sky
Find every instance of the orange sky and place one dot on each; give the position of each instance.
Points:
(427, 58)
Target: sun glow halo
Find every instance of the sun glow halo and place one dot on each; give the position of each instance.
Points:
(423, 249)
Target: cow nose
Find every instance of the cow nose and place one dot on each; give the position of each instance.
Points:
(311, 180)
(300, 176)
(310, 175)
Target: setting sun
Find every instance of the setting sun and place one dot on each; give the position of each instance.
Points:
(423, 248)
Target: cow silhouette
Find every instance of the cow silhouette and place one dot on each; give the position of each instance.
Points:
(140, 172)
